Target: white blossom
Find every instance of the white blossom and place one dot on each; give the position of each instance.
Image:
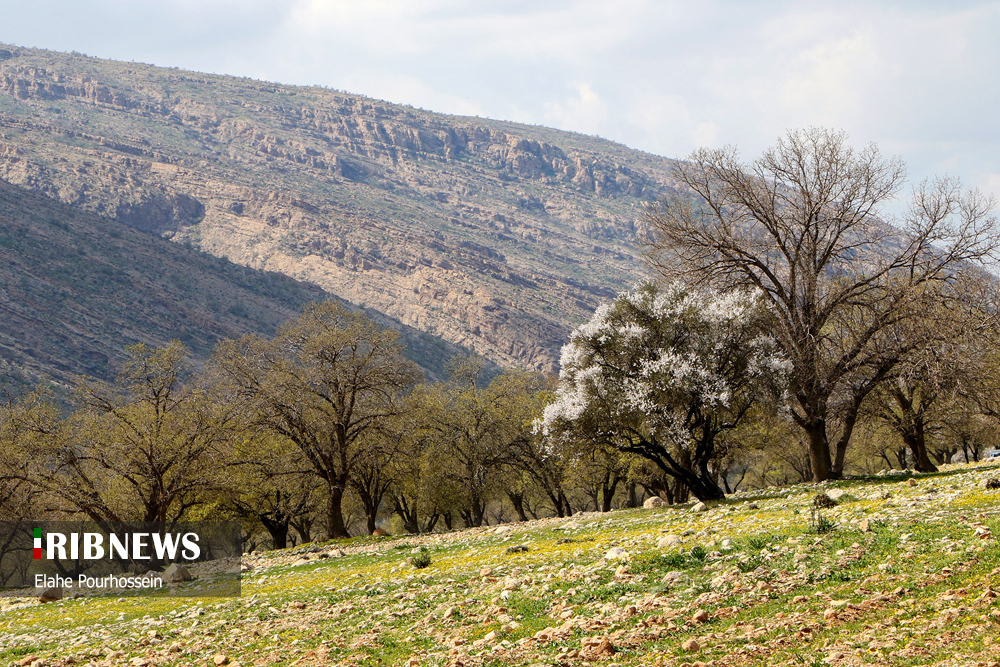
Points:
(655, 351)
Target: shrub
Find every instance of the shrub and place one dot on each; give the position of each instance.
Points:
(422, 559)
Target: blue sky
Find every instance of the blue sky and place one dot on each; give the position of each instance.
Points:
(920, 79)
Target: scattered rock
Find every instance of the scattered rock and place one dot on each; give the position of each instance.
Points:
(176, 574)
(654, 502)
(301, 561)
(700, 616)
(675, 578)
(829, 614)
(691, 646)
(699, 507)
(51, 594)
(835, 494)
(668, 541)
(615, 553)
(604, 648)
(220, 659)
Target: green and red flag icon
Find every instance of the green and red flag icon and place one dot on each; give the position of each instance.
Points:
(38, 543)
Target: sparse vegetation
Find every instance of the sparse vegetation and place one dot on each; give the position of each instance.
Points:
(422, 559)
(903, 580)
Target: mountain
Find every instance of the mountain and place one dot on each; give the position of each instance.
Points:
(76, 289)
(493, 235)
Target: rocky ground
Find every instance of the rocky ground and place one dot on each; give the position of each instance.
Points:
(901, 571)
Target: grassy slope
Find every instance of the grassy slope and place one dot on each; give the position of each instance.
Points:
(915, 588)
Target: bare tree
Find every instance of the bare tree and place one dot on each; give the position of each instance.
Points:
(804, 224)
(325, 381)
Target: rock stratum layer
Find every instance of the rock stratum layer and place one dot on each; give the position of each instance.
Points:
(76, 289)
(492, 235)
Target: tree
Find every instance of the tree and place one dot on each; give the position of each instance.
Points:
(477, 429)
(324, 381)
(547, 469)
(273, 485)
(804, 225)
(663, 371)
(146, 448)
(927, 394)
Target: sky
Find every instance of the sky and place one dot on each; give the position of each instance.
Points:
(919, 79)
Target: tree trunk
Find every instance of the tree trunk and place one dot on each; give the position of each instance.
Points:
(943, 456)
(918, 447)
(837, 471)
(632, 498)
(901, 458)
(608, 489)
(704, 487)
(517, 500)
(277, 528)
(370, 507)
(819, 450)
(335, 527)
(564, 508)
(303, 526)
(406, 514)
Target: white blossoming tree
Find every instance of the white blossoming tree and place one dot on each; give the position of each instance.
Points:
(665, 372)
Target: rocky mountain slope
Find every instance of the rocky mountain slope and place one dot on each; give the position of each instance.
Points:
(493, 235)
(76, 289)
(901, 571)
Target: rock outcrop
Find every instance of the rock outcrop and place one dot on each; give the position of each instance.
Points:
(495, 236)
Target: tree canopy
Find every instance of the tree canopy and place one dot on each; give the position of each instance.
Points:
(806, 224)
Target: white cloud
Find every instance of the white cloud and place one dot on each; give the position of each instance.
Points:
(583, 112)
(921, 79)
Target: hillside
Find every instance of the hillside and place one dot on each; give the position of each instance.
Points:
(905, 572)
(493, 235)
(76, 289)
